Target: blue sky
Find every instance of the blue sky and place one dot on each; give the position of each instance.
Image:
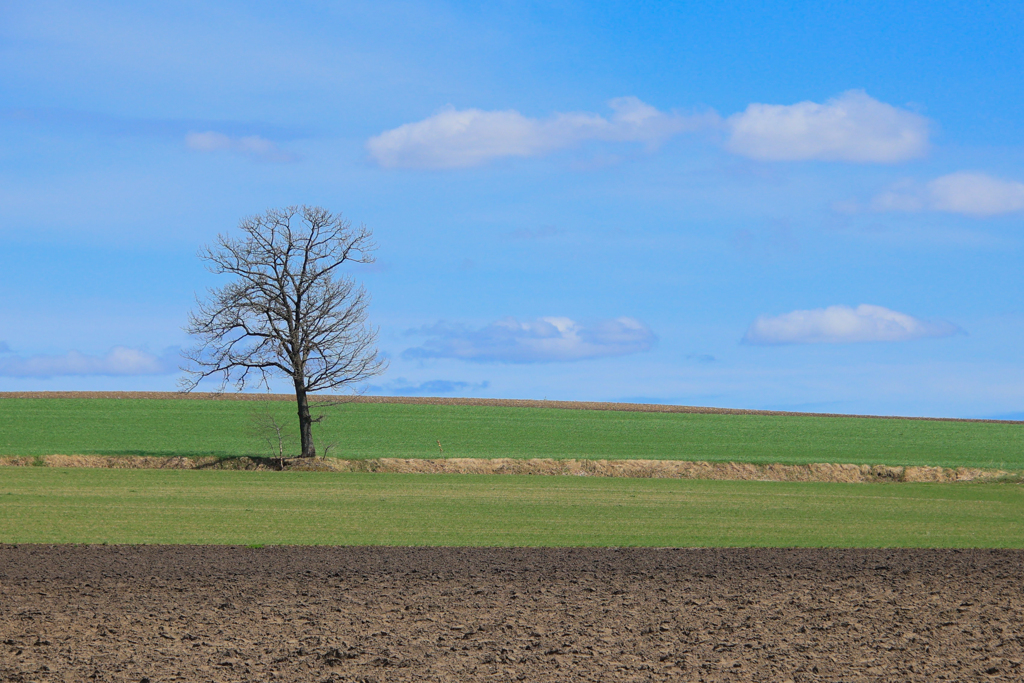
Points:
(803, 206)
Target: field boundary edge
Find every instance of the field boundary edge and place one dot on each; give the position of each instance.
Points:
(478, 402)
(634, 469)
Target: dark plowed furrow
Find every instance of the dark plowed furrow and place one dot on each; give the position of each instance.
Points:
(187, 613)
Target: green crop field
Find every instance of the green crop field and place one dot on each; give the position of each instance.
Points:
(362, 430)
(51, 505)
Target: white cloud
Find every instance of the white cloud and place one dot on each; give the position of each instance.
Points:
(843, 325)
(537, 341)
(975, 194)
(119, 361)
(455, 138)
(251, 145)
(852, 127)
(970, 193)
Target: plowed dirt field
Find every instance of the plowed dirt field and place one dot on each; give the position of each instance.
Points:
(192, 613)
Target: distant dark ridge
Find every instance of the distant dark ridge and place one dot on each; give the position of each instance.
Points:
(492, 402)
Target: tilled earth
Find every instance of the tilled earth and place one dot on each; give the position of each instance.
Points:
(200, 613)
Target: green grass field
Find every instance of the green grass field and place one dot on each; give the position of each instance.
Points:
(223, 428)
(50, 505)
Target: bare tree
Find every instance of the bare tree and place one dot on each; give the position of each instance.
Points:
(288, 311)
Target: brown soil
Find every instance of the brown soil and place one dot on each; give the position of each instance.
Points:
(640, 469)
(434, 400)
(194, 613)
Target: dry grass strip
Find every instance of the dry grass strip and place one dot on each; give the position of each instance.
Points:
(640, 469)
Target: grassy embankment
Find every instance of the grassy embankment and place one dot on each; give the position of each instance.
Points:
(361, 431)
(40, 505)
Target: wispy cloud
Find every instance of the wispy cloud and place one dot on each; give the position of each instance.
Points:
(844, 325)
(119, 361)
(538, 341)
(252, 146)
(852, 127)
(434, 387)
(970, 193)
(461, 138)
(104, 123)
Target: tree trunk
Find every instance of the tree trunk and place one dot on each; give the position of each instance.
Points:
(305, 421)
